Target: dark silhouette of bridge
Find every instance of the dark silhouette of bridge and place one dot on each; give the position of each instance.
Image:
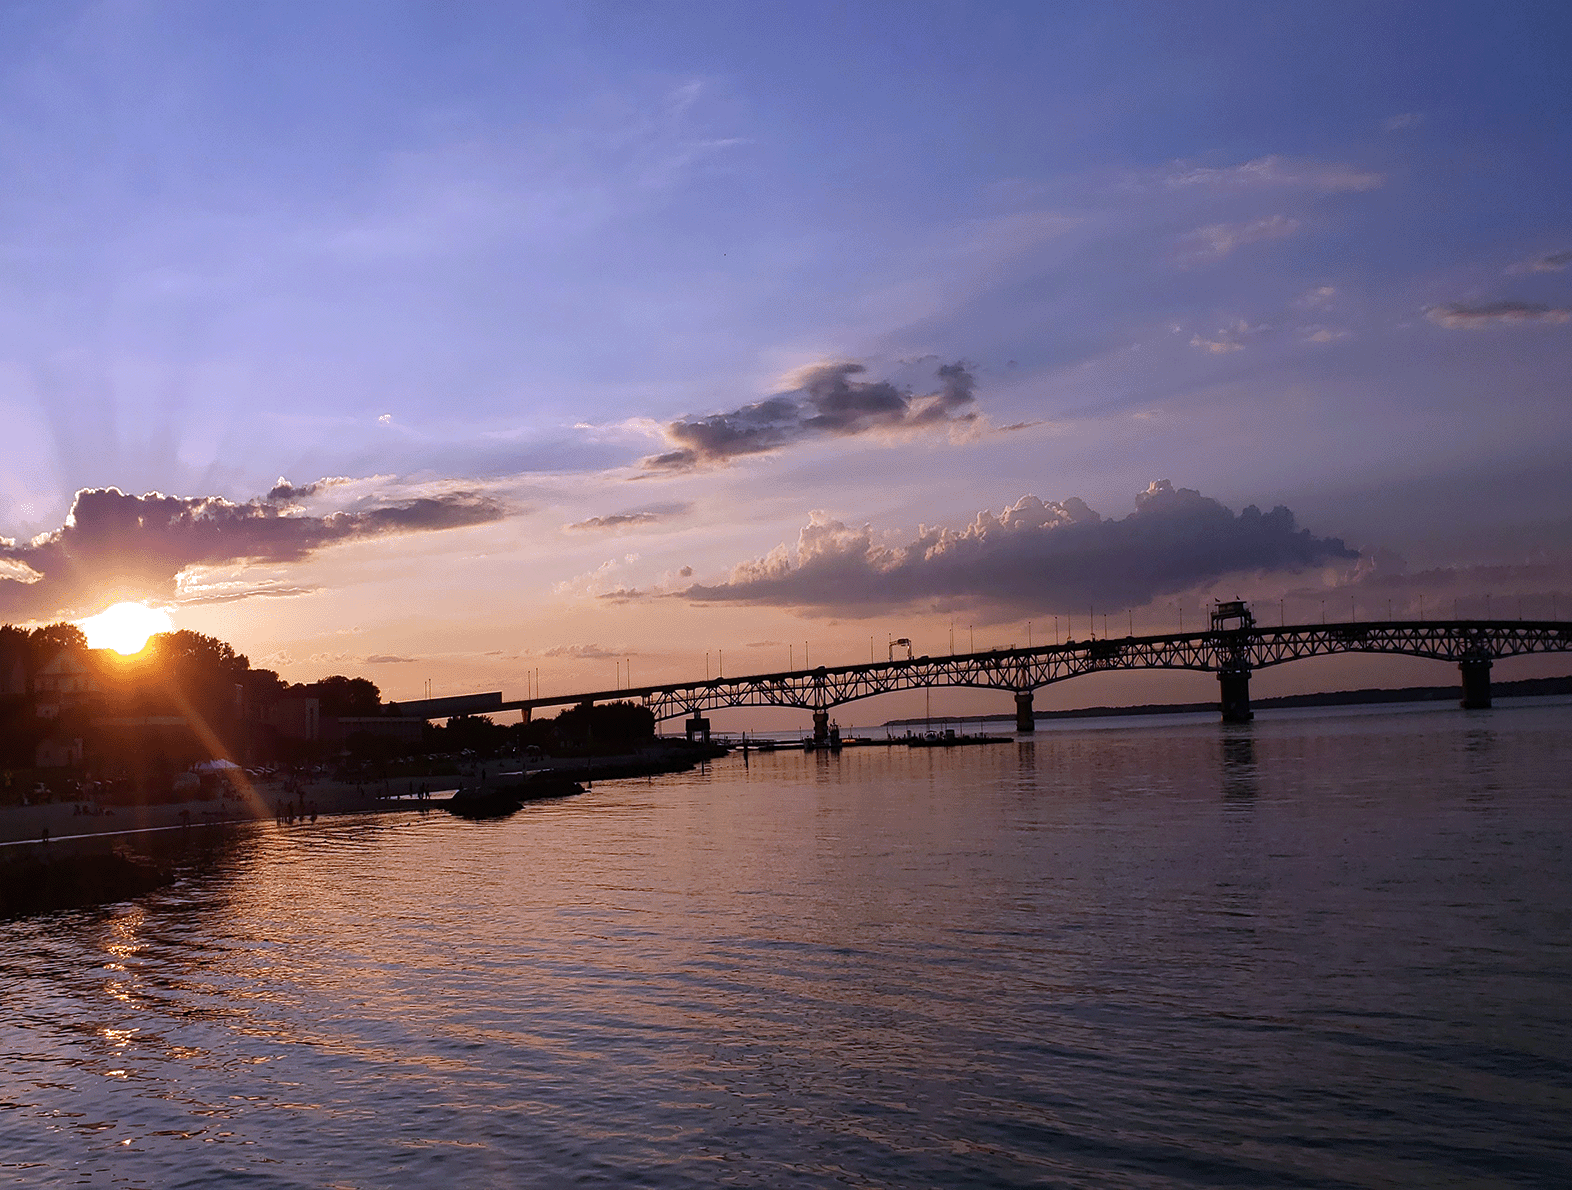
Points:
(1232, 648)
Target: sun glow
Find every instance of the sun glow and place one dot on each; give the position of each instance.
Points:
(124, 627)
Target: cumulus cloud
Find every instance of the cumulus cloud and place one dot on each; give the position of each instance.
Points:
(137, 545)
(1035, 556)
(1211, 243)
(828, 401)
(629, 520)
(1496, 314)
(1326, 176)
(1553, 263)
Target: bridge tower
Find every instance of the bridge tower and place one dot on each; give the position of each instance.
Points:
(1476, 683)
(1233, 624)
(821, 708)
(1024, 719)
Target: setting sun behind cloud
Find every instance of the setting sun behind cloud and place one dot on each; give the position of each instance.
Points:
(124, 627)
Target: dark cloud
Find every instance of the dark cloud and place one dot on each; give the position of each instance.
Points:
(629, 520)
(831, 402)
(1035, 556)
(1494, 314)
(134, 546)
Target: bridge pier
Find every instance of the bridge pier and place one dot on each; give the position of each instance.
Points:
(1233, 689)
(698, 727)
(1024, 719)
(821, 727)
(1476, 683)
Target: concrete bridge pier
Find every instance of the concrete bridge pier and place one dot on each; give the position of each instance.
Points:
(1476, 683)
(1024, 719)
(821, 727)
(1233, 689)
(698, 728)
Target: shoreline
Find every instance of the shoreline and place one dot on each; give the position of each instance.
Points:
(21, 826)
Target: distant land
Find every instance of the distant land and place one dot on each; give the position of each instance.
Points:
(1527, 688)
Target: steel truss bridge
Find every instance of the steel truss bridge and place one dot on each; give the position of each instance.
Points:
(1232, 649)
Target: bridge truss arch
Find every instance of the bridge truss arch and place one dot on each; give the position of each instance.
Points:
(1231, 654)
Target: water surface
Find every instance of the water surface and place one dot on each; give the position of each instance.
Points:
(1328, 949)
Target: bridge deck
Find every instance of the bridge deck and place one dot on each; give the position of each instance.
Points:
(1235, 652)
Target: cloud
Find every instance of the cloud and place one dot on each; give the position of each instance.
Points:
(1317, 297)
(388, 659)
(1553, 263)
(16, 571)
(1402, 121)
(135, 546)
(1494, 314)
(629, 520)
(1275, 171)
(1228, 338)
(1212, 243)
(1033, 557)
(591, 652)
(827, 401)
(1324, 334)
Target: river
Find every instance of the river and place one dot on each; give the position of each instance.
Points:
(1327, 949)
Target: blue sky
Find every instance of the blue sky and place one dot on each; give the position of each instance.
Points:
(495, 258)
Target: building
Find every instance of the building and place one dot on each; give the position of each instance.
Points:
(294, 718)
(65, 680)
(57, 752)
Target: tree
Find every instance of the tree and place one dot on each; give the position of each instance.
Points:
(192, 653)
(44, 643)
(340, 696)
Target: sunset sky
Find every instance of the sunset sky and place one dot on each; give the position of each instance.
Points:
(449, 343)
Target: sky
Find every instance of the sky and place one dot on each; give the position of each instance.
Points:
(474, 347)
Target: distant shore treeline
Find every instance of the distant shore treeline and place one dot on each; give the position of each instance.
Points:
(1526, 688)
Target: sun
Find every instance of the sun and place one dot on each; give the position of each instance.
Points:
(124, 627)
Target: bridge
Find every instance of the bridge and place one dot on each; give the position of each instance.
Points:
(1232, 648)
